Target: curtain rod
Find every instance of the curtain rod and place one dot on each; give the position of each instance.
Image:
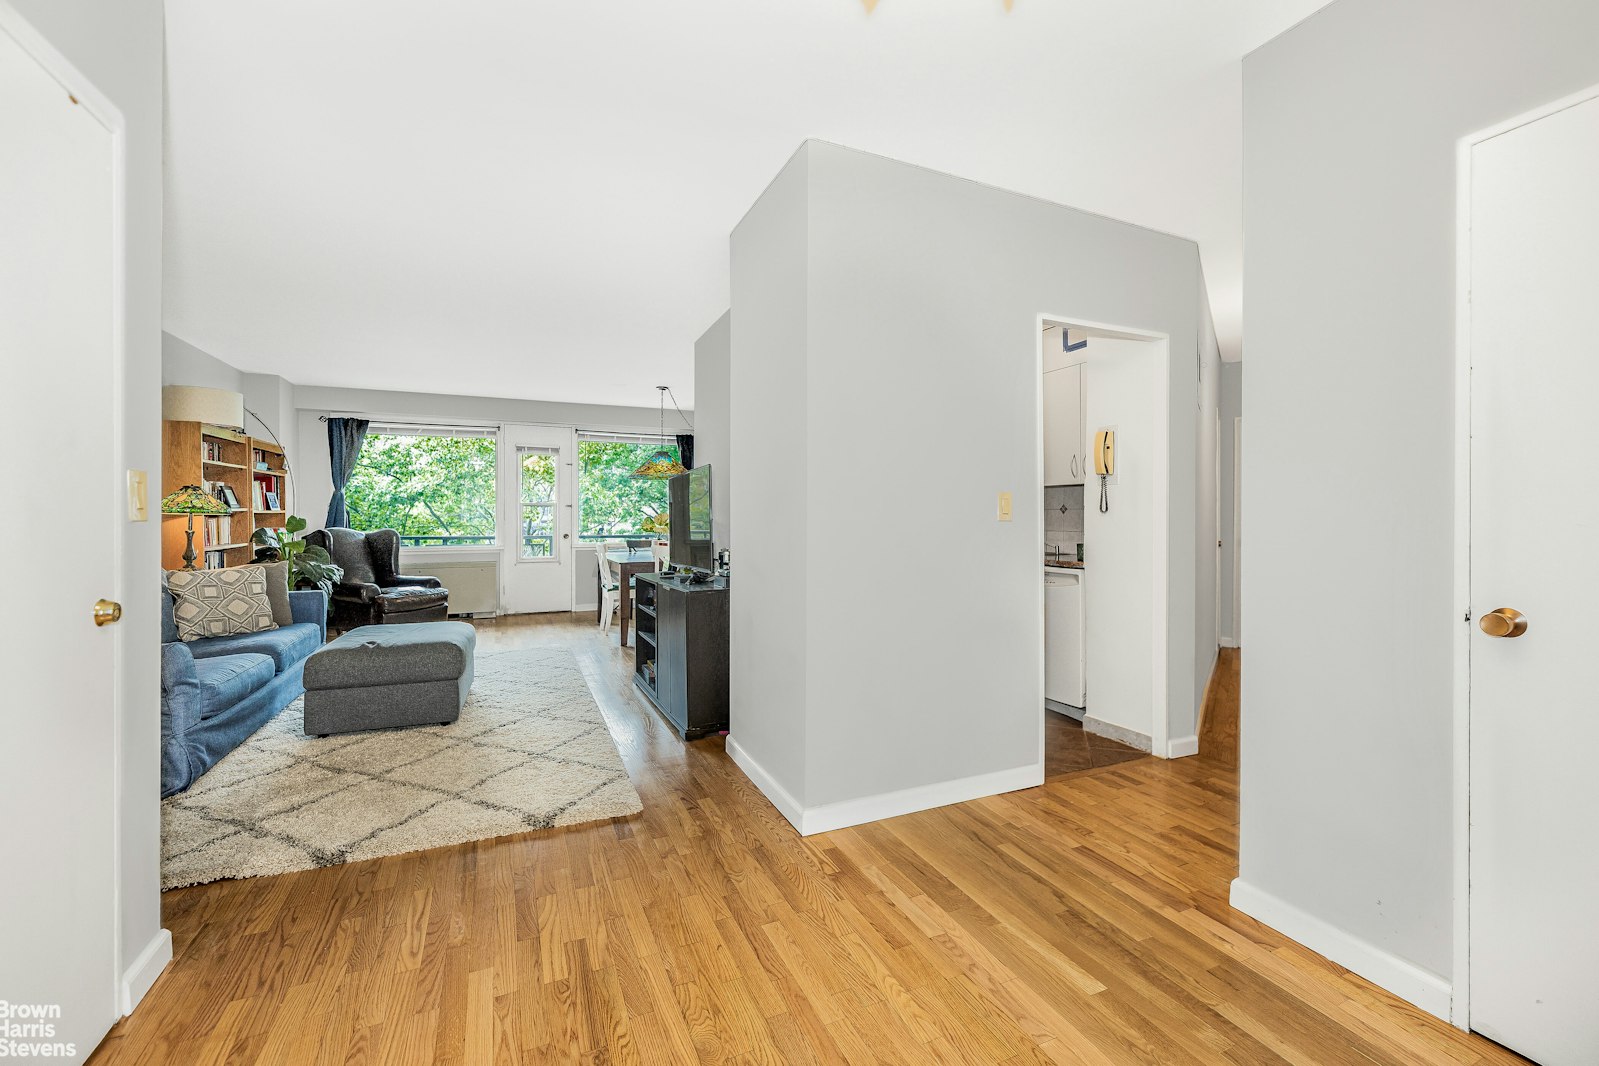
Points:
(409, 420)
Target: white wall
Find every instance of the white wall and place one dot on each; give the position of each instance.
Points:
(770, 601)
(184, 364)
(713, 354)
(1120, 381)
(118, 47)
(1351, 124)
(1232, 407)
(895, 311)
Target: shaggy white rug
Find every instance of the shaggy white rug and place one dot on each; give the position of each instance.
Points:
(530, 751)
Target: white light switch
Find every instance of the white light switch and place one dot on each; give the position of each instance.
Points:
(1004, 507)
(138, 496)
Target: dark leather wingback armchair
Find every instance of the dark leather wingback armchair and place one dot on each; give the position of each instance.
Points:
(372, 592)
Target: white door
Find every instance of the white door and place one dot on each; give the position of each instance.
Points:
(59, 353)
(1534, 335)
(537, 483)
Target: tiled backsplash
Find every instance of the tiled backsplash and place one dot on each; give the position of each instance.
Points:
(1063, 528)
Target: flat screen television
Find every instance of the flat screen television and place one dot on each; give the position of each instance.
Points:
(690, 519)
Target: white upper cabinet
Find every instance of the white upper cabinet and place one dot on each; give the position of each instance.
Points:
(1065, 451)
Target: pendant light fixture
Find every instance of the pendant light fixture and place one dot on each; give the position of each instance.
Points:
(661, 465)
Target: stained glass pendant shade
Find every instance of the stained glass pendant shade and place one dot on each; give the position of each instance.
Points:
(661, 465)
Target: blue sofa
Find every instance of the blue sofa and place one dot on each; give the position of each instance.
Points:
(217, 691)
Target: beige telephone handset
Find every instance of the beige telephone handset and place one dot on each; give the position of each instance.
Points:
(1104, 464)
(1105, 452)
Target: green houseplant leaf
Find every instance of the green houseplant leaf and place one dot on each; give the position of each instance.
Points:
(309, 565)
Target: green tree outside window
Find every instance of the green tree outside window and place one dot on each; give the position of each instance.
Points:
(430, 490)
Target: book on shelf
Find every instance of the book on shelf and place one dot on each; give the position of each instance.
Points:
(218, 529)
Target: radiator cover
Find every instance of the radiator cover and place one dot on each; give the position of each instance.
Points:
(474, 584)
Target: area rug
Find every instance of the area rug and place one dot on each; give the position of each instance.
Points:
(530, 751)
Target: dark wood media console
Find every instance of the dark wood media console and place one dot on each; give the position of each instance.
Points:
(680, 651)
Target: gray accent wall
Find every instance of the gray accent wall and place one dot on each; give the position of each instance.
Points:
(1351, 124)
(884, 364)
(713, 354)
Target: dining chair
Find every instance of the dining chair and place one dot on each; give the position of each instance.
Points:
(610, 591)
(663, 555)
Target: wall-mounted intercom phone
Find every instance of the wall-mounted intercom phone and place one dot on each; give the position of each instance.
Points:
(1104, 464)
(1105, 452)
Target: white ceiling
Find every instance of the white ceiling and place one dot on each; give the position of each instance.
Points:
(532, 200)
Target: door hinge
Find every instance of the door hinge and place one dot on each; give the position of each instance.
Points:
(1468, 614)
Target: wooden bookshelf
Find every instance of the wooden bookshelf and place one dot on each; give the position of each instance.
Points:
(193, 453)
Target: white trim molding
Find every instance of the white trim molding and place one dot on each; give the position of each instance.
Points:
(786, 805)
(1182, 747)
(845, 813)
(137, 978)
(1404, 979)
(1228, 642)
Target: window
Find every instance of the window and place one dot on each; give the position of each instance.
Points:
(432, 485)
(611, 501)
(536, 469)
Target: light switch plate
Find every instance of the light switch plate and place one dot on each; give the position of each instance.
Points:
(1004, 507)
(138, 496)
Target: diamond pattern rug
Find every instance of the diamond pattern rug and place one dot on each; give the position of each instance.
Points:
(530, 751)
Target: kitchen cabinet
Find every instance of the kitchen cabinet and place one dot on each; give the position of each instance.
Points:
(1065, 446)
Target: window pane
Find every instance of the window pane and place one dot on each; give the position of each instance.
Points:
(611, 501)
(432, 490)
(538, 531)
(538, 474)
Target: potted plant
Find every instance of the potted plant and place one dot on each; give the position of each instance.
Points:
(309, 565)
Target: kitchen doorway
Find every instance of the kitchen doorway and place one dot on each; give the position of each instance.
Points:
(1104, 542)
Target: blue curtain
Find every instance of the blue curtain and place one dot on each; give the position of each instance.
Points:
(344, 448)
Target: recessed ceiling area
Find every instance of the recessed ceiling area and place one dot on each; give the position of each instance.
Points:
(533, 200)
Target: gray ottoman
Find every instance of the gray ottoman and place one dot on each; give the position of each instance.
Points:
(381, 677)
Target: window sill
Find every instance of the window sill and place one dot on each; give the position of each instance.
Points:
(454, 551)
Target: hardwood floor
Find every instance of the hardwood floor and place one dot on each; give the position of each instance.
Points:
(1085, 921)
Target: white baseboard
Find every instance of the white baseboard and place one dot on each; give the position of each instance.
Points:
(138, 978)
(1182, 747)
(1404, 979)
(786, 805)
(1228, 642)
(829, 816)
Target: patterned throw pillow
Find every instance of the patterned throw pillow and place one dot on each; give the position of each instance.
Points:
(220, 603)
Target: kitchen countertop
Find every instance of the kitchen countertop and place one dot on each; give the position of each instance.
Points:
(1064, 564)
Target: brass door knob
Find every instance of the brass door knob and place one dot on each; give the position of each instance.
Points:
(1503, 622)
(106, 612)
